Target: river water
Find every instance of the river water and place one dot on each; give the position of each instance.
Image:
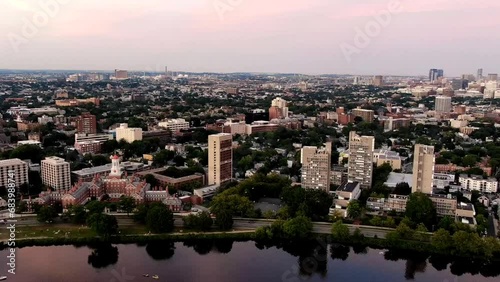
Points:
(222, 260)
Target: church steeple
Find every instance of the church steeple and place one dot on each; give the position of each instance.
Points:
(116, 170)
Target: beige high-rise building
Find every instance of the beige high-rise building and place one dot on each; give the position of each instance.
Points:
(220, 158)
(279, 109)
(423, 169)
(378, 80)
(19, 171)
(366, 115)
(360, 166)
(443, 104)
(316, 167)
(128, 134)
(56, 173)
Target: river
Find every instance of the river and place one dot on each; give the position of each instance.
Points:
(222, 260)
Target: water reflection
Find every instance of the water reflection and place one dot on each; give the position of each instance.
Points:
(161, 250)
(103, 255)
(312, 256)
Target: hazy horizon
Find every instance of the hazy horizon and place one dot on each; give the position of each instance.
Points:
(228, 36)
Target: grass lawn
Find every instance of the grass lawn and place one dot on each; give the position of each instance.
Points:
(65, 231)
(50, 231)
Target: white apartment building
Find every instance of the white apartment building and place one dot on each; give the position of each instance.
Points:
(128, 134)
(174, 125)
(346, 193)
(478, 183)
(443, 104)
(56, 173)
(17, 166)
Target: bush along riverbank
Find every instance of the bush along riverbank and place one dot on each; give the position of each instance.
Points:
(462, 243)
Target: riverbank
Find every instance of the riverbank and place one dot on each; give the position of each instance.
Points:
(81, 235)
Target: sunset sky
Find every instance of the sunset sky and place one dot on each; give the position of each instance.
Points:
(458, 36)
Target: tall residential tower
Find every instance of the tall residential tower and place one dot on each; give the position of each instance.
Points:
(423, 169)
(220, 158)
(316, 167)
(361, 159)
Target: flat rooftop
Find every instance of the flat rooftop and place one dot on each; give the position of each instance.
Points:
(348, 187)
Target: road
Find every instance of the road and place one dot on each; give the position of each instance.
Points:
(239, 224)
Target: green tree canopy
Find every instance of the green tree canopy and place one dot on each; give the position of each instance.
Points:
(46, 214)
(420, 209)
(160, 219)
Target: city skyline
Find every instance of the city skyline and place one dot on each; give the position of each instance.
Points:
(224, 36)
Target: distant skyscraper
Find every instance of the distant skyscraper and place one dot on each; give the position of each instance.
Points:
(479, 74)
(220, 158)
(492, 77)
(366, 115)
(86, 123)
(279, 109)
(435, 74)
(166, 71)
(378, 80)
(423, 169)
(356, 80)
(360, 166)
(316, 167)
(121, 74)
(443, 104)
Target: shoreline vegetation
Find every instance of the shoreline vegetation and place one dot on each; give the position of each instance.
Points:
(339, 236)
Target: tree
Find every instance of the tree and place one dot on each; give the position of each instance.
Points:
(469, 160)
(297, 228)
(376, 221)
(31, 152)
(78, 215)
(224, 219)
(160, 219)
(446, 223)
(420, 208)
(103, 224)
(141, 213)
(340, 231)
(466, 244)
(354, 209)
(441, 240)
(127, 204)
(404, 232)
(231, 202)
(95, 207)
(46, 214)
(202, 221)
(421, 232)
(402, 188)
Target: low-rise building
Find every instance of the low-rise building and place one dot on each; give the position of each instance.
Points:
(442, 180)
(478, 183)
(346, 193)
(174, 125)
(206, 192)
